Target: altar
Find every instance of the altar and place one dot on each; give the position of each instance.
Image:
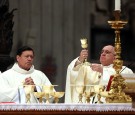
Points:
(67, 109)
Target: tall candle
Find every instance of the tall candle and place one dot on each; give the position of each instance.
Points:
(117, 5)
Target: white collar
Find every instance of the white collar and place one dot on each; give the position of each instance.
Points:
(20, 70)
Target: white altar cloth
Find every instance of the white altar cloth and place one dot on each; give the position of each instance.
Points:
(69, 107)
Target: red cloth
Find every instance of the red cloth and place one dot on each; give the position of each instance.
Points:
(109, 83)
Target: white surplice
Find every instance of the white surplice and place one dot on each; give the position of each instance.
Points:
(84, 75)
(11, 84)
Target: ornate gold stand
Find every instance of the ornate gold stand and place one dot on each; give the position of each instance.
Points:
(116, 93)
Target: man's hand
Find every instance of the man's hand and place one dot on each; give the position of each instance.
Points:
(97, 67)
(83, 55)
(29, 81)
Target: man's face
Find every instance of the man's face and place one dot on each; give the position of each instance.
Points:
(25, 60)
(107, 55)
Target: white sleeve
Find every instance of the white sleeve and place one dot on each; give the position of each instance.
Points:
(126, 70)
(70, 72)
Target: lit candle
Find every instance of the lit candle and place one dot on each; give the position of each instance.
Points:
(117, 5)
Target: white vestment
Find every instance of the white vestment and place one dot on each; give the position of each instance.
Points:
(11, 84)
(84, 75)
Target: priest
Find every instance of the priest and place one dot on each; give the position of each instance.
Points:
(82, 73)
(18, 83)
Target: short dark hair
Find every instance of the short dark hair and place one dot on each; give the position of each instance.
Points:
(24, 48)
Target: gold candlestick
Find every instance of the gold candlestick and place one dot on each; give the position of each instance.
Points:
(116, 93)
